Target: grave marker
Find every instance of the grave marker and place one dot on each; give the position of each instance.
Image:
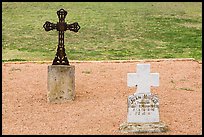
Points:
(61, 26)
(61, 75)
(143, 107)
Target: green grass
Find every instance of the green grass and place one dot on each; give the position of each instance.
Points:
(109, 30)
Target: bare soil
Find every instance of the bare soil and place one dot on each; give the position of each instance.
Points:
(100, 105)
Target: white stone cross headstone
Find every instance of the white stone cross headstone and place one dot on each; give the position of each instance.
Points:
(143, 107)
(143, 79)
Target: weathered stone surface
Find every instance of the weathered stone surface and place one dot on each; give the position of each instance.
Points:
(61, 83)
(143, 127)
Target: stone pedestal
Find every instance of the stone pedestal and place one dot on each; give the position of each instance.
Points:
(61, 83)
(143, 127)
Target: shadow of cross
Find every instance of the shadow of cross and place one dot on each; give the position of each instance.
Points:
(143, 79)
(61, 26)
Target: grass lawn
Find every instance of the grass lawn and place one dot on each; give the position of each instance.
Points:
(109, 30)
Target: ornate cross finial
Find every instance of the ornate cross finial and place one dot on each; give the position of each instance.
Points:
(61, 26)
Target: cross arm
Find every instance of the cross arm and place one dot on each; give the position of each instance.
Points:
(154, 79)
(49, 26)
(132, 79)
(73, 27)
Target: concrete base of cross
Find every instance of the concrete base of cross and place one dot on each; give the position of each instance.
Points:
(61, 83)
(143, 127)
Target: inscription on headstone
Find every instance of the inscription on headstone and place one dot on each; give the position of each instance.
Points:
(143, 108)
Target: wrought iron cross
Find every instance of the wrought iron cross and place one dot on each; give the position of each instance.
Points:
(61, 26)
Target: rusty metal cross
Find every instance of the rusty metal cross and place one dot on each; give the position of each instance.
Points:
(61, 26)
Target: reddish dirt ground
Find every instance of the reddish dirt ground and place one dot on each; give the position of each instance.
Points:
(100, 105)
